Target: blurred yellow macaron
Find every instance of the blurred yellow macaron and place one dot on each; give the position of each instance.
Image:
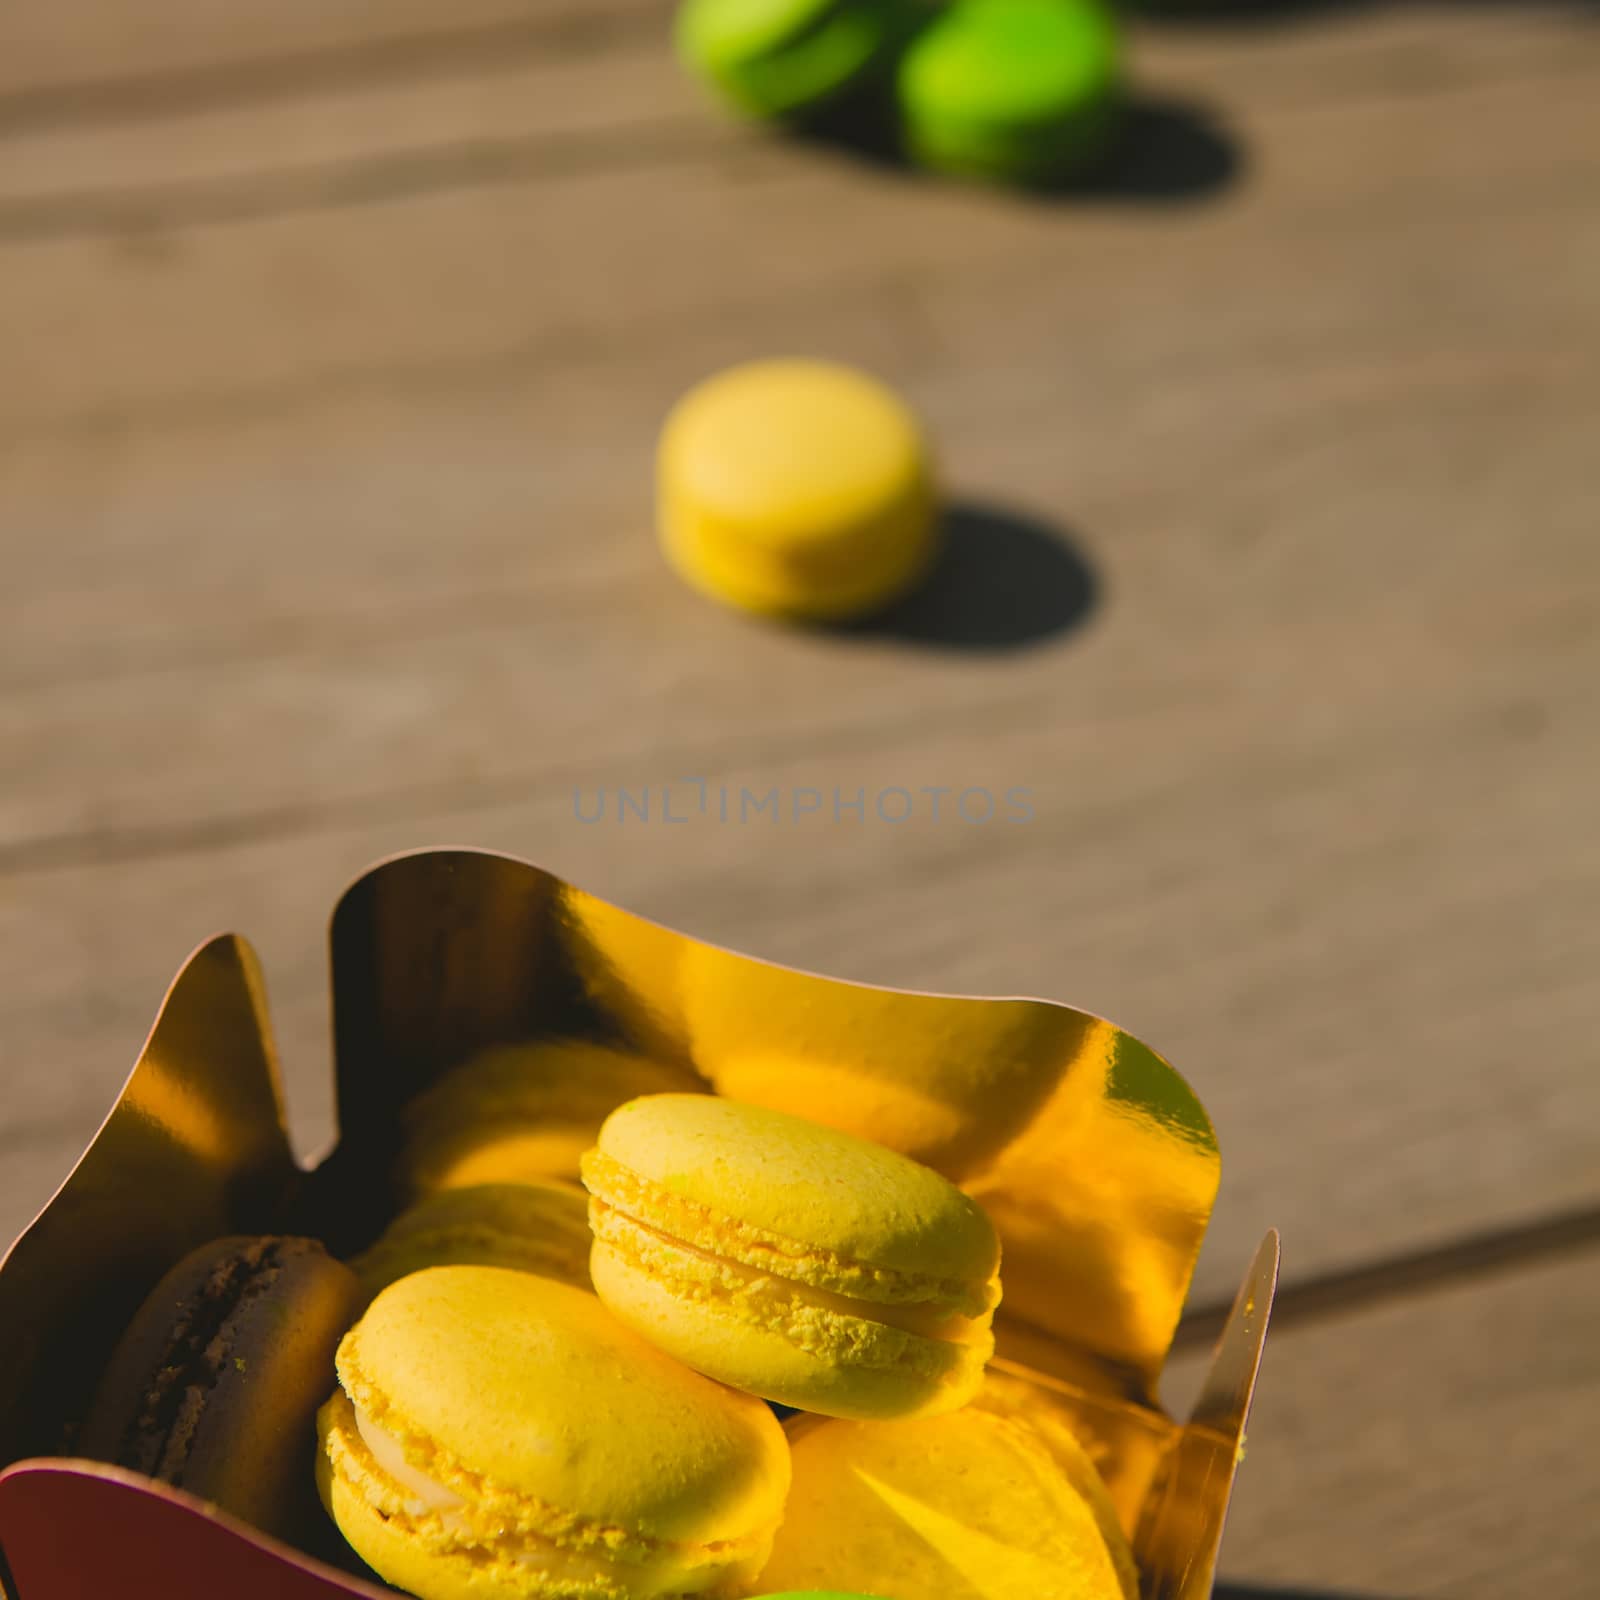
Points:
(971, 1506)
(534, 1227)
(499, 1436)
(790, 1260)
(796, 488)
(519, 1113)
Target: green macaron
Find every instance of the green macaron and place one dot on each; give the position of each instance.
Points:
(784, 58)
(1020, 91)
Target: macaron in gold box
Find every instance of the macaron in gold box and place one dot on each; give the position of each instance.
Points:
(1094, 1161)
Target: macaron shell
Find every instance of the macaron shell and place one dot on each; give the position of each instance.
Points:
(828, 1192)
(1010, 1397)
(766, 582)
(1023, 89)
(730, 32)
(1038, 157)
(962, 1507)
(532, 1385)
(822, 1362)
(258, 1361)
(520, 1113)
(791, 450)
(795, 486)
(773, 58)
(496, 1553)
(387, 1544)
(534, 1227)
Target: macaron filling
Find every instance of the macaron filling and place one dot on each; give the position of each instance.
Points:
(825, 1306)
(161, 1431)
(809, 1316)
(388, 1456)
(617, 1192)
(493, 1526)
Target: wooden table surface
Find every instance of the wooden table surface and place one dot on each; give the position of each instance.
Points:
(336, 335)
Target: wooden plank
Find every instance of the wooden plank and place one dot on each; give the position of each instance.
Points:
(74, 176)
(1312, 56)
(1380, 420)
(537, 83)
(1440, 1446)
(84, 62)
(94, 59)
(335, 543)
(292, 290)
(1415, 308)
(1416, 993)
(460, 665)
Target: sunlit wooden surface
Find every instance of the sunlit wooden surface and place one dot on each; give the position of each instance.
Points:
(335, 338)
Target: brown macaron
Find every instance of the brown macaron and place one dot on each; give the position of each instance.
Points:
(215, 1385)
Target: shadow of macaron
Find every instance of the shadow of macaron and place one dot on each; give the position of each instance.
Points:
(1002, 581)
(1030, 96)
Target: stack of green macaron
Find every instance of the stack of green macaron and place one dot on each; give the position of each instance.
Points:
(1012, 91)
(788, 58)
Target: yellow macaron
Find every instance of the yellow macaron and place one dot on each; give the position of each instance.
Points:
(791, 1260)
(971, 1506)
(499, 1436)
(796, 488)
(521, 1112)
(534, 1227)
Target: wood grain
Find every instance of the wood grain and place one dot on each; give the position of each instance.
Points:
(577, 71)
(1380, 1019)
(338, 543)
(1442, 1446)
(89, 60)
(338, 337)
(295, 286)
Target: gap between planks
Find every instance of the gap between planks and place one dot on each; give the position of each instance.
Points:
(507, 43)
(1375, 70)
(381, 178)
(1354, 1289)
(206, 835)
(489, 47)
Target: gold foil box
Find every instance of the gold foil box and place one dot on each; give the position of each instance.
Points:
(1095, 1160)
